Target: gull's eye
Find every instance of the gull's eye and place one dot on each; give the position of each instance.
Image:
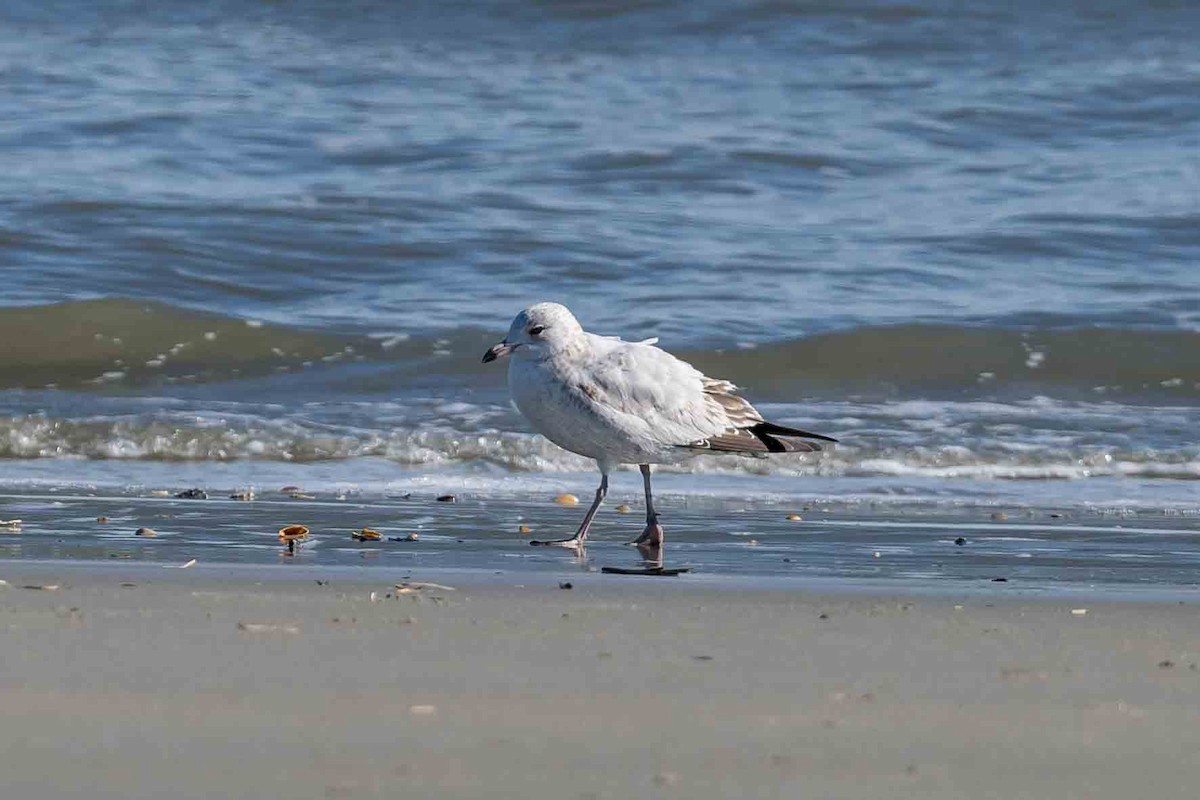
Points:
(536, 330)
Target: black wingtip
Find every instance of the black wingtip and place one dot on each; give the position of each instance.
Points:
(771, 429)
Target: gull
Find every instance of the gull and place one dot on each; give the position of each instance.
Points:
(624, 402)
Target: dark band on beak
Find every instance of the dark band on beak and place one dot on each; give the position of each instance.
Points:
(498, 351)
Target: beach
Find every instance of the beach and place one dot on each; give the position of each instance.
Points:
(253, 254)
(143, 681)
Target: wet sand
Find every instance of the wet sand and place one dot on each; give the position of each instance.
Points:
(154, 683)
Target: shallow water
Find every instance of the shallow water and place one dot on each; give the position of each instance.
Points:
(963, 240)
(847, 542)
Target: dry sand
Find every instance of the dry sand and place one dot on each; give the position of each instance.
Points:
(617, 688)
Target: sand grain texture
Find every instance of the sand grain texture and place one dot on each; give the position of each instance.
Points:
(617, 689)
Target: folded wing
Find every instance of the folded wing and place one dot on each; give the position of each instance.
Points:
(669, 403)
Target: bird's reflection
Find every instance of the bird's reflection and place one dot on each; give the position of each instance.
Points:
(652, 555)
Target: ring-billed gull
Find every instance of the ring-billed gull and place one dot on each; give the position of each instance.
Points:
(627, 403)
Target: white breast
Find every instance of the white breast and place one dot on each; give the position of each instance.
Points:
(551, 400)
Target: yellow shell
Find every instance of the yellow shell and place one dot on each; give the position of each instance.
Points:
(567, 500)
(293, 532)
(145, 532)
(366, 535)
(623, 509)
(794, 517)
(524, 529)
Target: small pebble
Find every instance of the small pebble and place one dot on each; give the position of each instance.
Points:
(623, 509)
(999, 516)
(567, 500)
(446, 498)
(566, 585)
(524, 529)
(192, 494)
(145, 532)
(999, 580)
(794, 517)
(877, 554)
(1079, 612)
(101, 519)
(1166, 663)
(422, 710)
(960, 541)
(665, 779)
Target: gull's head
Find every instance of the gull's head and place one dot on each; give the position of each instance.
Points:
(538, 331)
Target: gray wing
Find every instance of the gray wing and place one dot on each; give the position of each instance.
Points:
(667, 402)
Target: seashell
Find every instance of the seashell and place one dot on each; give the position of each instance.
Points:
(794, 517)
(293, 533)
(623, 509)
(567, 500)
(267, 627)
(408, 587)
(524, 529)
(145, 532)
(366, 535)
(412, 537)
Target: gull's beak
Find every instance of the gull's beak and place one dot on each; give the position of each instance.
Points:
(498, 351)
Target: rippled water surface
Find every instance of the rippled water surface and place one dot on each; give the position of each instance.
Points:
(962, 238)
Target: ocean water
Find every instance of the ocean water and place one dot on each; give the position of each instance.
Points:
(246, 244)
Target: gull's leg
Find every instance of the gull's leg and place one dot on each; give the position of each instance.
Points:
(652, 536)
(581, 534)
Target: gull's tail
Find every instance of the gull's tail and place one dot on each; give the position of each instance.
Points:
(761, 438)
(781, 439)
